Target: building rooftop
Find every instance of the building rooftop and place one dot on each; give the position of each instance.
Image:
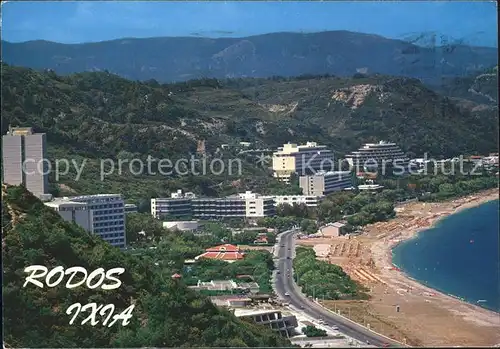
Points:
(290, 148)
(94, 196)
(252, 312)
(369, 186)
(378, 144)
(61, 201)
(332, 173)
(224, 248)
(20, 131)
(248, 195)
(226, 252)
(291, 196)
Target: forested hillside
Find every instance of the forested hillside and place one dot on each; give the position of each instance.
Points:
(166, 313)
(481, 87)
(100, 115)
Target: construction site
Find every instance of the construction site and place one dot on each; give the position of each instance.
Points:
(400, 307)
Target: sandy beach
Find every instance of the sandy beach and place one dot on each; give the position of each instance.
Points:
(426, 317)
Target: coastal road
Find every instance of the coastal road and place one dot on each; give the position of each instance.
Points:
(284, 283)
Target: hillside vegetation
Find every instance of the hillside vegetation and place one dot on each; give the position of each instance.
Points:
(481, 87)
(166, 313)
(342, 53)
(95, 116)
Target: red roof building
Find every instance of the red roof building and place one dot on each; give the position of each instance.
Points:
(262, 239)
(226, 252)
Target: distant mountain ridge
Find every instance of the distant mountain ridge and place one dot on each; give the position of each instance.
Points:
(168, 59)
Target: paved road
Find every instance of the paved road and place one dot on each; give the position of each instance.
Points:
(286, 284)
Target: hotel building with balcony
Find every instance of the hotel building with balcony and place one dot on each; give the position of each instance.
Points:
(178, 205)
(72, 211)
(324, 183)
(301, 159)
(246, 205)
(375, 156)
(106, 217)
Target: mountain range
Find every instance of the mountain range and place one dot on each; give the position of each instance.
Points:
(168, 59)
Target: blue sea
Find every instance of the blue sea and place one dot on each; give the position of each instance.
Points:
(459, 256)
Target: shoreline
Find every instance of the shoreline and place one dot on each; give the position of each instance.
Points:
(424, 316)
(432, 224)
(383, 250)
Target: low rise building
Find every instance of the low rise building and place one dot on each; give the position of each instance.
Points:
(181, 225)
(492, 159)
(274, 319)
(261, 239)
(131, 208)
(220, 285)
(367, 187)
(371, 187)
(333, 229)
(251, 287)
(324, 183)
(231, 301)
(227, 252)
(245, 205)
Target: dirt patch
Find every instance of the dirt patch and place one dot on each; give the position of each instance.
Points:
(363, 312)
(66, 188)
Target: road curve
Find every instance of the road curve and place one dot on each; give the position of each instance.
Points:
(284, 283)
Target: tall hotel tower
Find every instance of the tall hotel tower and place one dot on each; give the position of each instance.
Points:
(21, 146)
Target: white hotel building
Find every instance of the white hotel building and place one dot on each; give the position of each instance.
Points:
(301, 159)
(244, 205)
(101, 214)
(324, 183)
(377, 155)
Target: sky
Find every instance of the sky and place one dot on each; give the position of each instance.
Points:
(473, 22)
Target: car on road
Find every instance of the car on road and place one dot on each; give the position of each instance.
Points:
(301, 307)
(335, 328)
(282, 245)
(287, 294)
(288, 257)
(278, 272)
